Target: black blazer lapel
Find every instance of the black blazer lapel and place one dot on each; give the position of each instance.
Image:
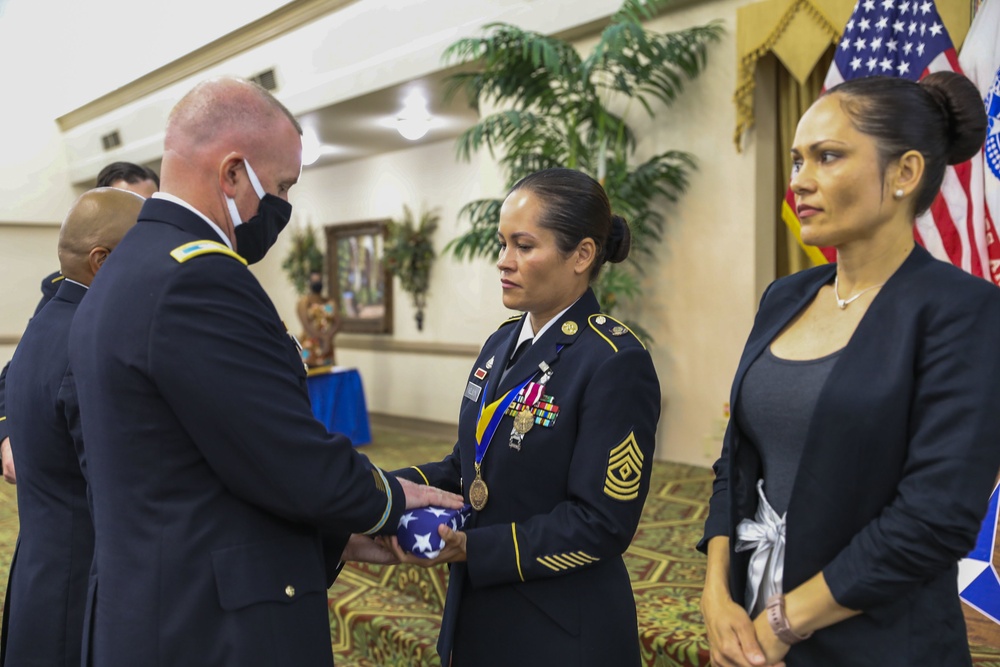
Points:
(776, 311)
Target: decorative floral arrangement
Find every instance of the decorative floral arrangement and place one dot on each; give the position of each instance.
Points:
(409, 254)
(303, 258)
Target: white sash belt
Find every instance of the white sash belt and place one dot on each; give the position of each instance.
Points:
(765, 534)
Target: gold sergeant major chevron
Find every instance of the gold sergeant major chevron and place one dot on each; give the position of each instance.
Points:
(624, 470)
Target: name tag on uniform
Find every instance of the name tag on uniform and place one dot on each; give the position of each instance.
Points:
(472, 391)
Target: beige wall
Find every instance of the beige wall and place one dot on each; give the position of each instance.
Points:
(700, 299)
(27, 254)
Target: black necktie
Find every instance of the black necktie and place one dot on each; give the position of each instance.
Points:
(518, 353)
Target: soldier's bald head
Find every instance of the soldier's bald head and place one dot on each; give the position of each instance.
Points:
(224, 112)
(213, 134)
(95, 224)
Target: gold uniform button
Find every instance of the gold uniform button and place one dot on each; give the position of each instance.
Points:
(290, 591)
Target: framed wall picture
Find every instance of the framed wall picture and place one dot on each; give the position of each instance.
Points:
(358, 278)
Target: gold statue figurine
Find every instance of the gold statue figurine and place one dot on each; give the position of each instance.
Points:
(320, 321)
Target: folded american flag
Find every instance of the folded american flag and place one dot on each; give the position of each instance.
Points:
(418, 529)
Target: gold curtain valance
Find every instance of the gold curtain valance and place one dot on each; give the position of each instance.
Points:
(798, 32)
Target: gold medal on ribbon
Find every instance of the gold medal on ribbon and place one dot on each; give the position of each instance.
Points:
(524, 420)
(479, 493)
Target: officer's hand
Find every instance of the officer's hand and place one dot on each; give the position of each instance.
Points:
(363, 549)
(453, 551)
(418, 496)
(8, 461)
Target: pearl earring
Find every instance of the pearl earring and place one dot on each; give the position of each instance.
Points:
(898, 194)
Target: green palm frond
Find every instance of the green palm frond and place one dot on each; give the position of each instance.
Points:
(481, 239)
(501, 129)
(641, 65)
(516, 65)
(636, 11)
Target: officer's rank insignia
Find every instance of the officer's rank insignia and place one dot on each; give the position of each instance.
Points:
(619, 331)
(624, 470)
(194, 249)
(569, 328)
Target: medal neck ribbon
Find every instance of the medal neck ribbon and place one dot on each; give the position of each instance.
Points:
(490, 416)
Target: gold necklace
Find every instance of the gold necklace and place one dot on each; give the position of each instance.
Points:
(844, 303)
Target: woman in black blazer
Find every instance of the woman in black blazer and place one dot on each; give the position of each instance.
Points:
(865, 406)
(537, 576)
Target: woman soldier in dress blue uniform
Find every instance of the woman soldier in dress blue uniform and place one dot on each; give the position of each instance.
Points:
(555, 446)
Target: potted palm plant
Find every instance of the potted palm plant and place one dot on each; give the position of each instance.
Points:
(304, 257)
(556, 108)
(409, 254)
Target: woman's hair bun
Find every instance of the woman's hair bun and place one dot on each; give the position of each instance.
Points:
(619, 241)
(964, 112)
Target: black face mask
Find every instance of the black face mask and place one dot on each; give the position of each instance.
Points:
(316, 287)
(256, 236)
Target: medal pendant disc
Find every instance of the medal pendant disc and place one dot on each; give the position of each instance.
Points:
(524, 420)
(478, 493)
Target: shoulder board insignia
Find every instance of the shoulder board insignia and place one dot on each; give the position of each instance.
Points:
(513, 318)
(198, 248)
(609, 328)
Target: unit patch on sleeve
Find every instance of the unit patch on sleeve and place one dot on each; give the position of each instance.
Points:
(624, 470)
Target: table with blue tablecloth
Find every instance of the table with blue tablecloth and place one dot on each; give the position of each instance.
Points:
(338, 400)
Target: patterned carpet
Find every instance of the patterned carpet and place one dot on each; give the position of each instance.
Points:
(389, 616)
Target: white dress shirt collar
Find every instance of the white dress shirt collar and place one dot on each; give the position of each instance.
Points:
(528, 334)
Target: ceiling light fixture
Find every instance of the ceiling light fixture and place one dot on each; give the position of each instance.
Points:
(414, 120)
(310, 146)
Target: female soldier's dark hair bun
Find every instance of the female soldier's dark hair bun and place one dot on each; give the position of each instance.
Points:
(575, 207)
(963, 111)
(619, 241)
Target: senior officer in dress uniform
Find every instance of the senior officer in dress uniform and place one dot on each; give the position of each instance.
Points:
(556, 437)
(49, 573)
(124, 176)
(212, 482)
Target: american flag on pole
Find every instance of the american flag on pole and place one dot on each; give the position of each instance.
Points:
(907, 38)
(979, 583)
(980, 59)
